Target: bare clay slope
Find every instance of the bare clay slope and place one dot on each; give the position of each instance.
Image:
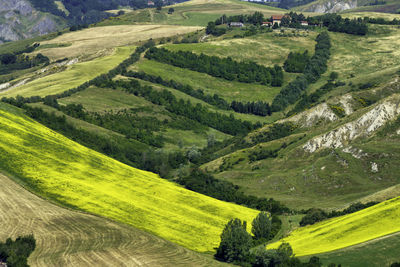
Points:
(68, 238)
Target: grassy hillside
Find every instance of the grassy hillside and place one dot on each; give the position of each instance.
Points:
(73, 76)
(387, 6)
(92, 40)
(266, 49)
(337, 233)
(104, 100)
(191, 13)
(77, 177)
(66, 237)
(368, 66)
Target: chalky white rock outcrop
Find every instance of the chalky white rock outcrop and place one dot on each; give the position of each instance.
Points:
(366, 125)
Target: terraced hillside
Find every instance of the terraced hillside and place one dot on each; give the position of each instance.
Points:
(66, 237)
(77, 177)
(337, 233)
(333, 175)
(74, 75)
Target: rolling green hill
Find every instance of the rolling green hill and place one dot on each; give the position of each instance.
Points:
(339, 148)
(72, 175)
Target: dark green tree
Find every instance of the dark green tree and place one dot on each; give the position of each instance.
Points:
(284, 253)
(333, 76)
(235, 242)
(261, 226)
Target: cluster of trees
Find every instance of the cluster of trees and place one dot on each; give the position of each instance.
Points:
(336, 23)
(214, 30)
(257, 18)
(124, 121)
(276, 131)
(293, 20)
(17, 61)
(315, 67)
(257, 108)
(79, 27)
(376, 3)
(263, 154)
(308, 100)
(381, 21)
(214, 100)
(296, 62)
(206, 184)
(199, 113)
(120, 69)
(237, 246)
(16, 253)
(227, 68)
(12, 62)
(316, 215)
(90, 11)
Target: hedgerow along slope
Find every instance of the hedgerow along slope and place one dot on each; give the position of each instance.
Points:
(68, 173)
(69, 238)
(367, 224)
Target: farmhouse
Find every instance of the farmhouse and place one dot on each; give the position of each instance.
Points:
(267, 24)
(277, 19)
(150, 3)
(236, 24)
(304, 23)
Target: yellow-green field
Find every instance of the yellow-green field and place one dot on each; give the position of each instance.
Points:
(68, 173)
(74, 76)
(70, 238)
(336, 233)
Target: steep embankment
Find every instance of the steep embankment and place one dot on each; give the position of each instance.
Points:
(19, 20)
(335, 6)
(344, 231)
(69, 238)
(64, 171)
(366, 125)
(329, 6)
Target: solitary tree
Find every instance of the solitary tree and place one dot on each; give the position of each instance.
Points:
(333, 76)
(235, 242)
(261, 226)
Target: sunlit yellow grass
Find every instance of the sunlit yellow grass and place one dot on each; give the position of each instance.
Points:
(91, 40)
(74, 76)
(62, 170)
(344, 231)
